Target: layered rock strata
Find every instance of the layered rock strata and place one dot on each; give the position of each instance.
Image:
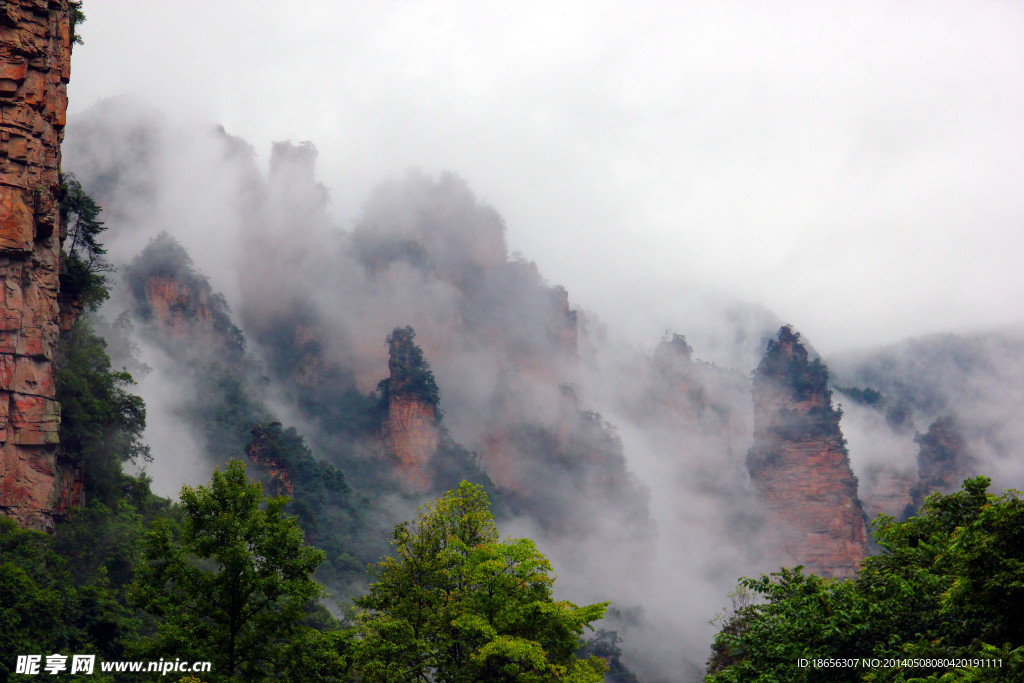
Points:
(799, 462)
(35, 61)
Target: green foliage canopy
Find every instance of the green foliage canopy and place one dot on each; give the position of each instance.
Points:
(101, 422)
(233, 584)
(949, 583)
(457, 604)
(81, 278)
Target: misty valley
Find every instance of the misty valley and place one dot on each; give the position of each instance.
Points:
(238, 432)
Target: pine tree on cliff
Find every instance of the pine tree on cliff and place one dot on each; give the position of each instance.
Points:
(410, 372)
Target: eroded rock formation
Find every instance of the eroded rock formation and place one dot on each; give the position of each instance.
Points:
(410, 427)
(178, 303)
(35, 64)
(693, 395)
(799, 462)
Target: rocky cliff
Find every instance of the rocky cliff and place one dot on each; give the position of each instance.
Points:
(695, 396)
(887, 491)
(35, 63)
(177, 305)
(799, 462)
(410, 426)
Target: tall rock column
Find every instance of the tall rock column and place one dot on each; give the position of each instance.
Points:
(411, 427)
(35, 63)
(799, 463)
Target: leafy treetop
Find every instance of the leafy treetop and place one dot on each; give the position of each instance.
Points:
(947, 585)
(456, 604)
(232, 584)
(83, 265)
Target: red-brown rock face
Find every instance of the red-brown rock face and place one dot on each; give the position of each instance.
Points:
(35, 62)
(411, 436)
(410, 427)
(799, 464)
(179, 308)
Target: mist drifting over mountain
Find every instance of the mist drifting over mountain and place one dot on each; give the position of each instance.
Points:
(586, 185)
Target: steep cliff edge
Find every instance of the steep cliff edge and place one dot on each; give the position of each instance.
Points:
(35, 64)
(799, 462)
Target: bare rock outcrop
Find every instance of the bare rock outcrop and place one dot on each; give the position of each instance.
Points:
(799, 462)
(35, 64)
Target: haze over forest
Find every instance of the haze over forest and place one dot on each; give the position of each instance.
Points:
(335, 172)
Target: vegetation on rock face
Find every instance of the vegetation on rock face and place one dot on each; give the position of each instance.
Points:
(942, 460)
(328, 511)
(946, 585)
(786, 361)
(410, 371)
(898, 413)
(942, 442)
(101, 423)
(164, 257)
(82, 266)
(787, 367)
(77, 17)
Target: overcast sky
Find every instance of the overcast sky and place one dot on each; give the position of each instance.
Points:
(856, 168)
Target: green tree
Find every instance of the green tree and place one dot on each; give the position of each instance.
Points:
(81, 278)
(233, 584)
(949, 583)
(457, 604)
(36, 597)
(101, 422)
